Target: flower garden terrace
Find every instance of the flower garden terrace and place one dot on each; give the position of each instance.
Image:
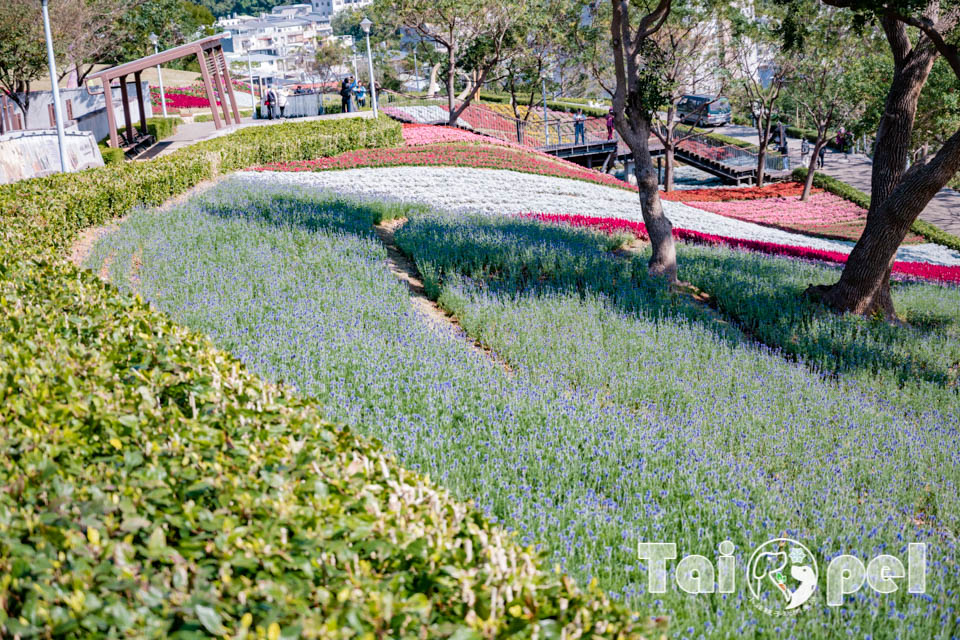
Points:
(604, 409)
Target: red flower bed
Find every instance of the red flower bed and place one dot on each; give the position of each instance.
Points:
(611, 225)
(775, 190)
(485, 156)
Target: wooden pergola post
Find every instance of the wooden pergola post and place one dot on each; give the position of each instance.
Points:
(208, 50)
(126, 108)
(221, 90)
(143, 112)
(205, 72)
(111, 113)
(226, 77)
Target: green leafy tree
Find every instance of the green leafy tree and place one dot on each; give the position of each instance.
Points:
(918, 33)
(639, 91)
(472, 32)
(23, 54)
(825, 90)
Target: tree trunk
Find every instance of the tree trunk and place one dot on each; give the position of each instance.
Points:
(451, 76)
(663, 261)
(761, 164)
(669, 160)
(812, 169)
(896, 198)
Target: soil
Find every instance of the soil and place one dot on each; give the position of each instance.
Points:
(406, 272)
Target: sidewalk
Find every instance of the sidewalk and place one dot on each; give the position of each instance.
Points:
(193, 132)
(943, 211)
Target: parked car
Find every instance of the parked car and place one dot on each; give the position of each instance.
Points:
(704, 110)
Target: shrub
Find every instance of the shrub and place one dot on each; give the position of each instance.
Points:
(155, 488)
(923, 228)
(159, 128)
(207, 117)
(111, 155)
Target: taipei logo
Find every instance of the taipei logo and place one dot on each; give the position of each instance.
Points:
(782, 576)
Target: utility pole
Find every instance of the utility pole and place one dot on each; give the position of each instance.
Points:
(52, 64)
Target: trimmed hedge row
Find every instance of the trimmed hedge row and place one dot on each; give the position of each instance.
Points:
(504, 98)
(153, 487)
(922, 228)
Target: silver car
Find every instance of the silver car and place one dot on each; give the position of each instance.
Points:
(704, 110)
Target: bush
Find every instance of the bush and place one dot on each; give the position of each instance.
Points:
(111, 155)
(159, 128)
(922, 228)
(504, 98)
(155, 488)
(207, 117)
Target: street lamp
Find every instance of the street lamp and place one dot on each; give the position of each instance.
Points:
(155, 39)
(365, 24)
(52, 64)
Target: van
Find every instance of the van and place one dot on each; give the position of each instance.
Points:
(691, 109)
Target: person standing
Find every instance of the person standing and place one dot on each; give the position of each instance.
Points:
(346, 89)
(821, 155)
(271, 102)
(610, 124)
(281, 100)
(579, 127)
(804, 151)
(361, 92)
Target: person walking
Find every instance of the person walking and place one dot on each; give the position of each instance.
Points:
(361, 92)
(848, 145)
(804, 151)
(784, 144)
(841, 138)
(579, 127)
(281, 100)
(610, 123)
(821, 155)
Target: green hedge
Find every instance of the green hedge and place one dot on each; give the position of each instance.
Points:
(154, 488)
(504, 98)
(207, 117)
(159, 128)
(922, 228)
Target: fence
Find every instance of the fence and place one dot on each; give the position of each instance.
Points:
(728, 154)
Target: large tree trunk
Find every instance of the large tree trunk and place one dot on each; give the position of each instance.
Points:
(864, 285)
(896, 201)
(663, 261)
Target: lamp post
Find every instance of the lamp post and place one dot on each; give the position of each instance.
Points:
(155, 39)
(365, 24)
(52, 64)
(546, 130)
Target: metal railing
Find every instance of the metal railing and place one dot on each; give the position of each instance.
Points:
(710, 149)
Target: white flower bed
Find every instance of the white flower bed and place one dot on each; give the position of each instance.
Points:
(509, 192)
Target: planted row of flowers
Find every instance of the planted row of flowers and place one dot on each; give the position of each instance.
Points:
(616, 225)
(459, 154)
(722, 194)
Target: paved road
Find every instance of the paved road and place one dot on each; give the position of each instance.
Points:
(943, 211)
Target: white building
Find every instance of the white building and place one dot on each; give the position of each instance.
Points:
(279, 43)
(330, 8)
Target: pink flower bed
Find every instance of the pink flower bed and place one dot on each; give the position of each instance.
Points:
(612, 225)
(823, 214)
(420, 134)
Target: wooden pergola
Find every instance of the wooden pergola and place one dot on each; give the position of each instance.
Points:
(213, 68)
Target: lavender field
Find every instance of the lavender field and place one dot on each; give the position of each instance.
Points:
(626, 414)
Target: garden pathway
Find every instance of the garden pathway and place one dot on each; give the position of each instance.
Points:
(943, 211)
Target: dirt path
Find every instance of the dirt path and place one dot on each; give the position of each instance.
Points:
(406, 272)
